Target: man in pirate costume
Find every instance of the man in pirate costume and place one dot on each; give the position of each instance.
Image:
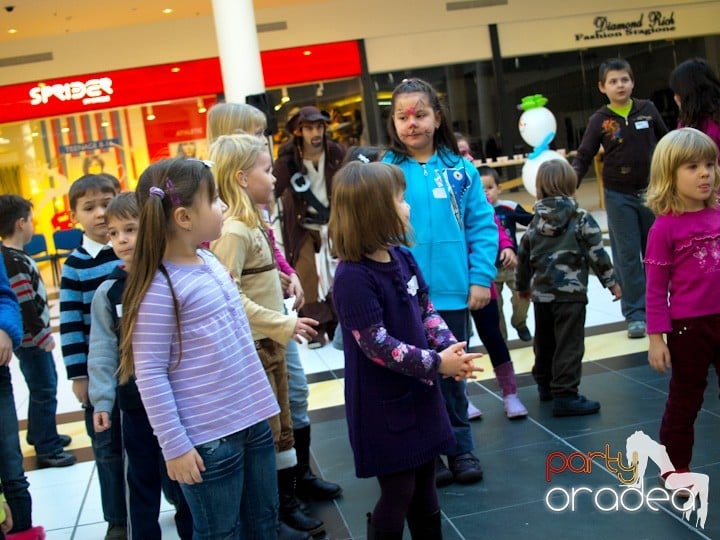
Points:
(304, 170)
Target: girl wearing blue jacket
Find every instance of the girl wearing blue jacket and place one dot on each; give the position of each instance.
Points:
(454, 233)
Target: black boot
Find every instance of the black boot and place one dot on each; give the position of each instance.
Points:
(290, 512)
(425, 527)
(310, 486)
(375, 534)
(284, 532)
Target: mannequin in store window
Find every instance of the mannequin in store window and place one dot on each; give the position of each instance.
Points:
(187, 149)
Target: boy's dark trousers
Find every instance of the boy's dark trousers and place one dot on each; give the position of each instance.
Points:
(146, 474)
(454, 391)
(559, 346)
(107, 447)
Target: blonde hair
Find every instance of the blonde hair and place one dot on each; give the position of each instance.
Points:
(555, 178)
(232, 154)
(230, 118)
(363, 214)
(675, 149)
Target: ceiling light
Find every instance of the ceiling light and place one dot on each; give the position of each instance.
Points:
(307, 53)
(150, 116)
(175, 70)
(64, 129)
(285, 97)
(12, 31)
(167, 11)
(201, 106)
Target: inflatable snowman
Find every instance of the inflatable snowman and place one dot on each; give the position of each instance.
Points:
(537, 127)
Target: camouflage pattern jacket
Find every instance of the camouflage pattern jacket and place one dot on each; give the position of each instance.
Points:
(561, 244)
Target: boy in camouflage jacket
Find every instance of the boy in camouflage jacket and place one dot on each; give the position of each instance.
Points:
(561, 244)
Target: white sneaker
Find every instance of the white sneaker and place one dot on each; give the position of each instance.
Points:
(473, 412)
(514, 407)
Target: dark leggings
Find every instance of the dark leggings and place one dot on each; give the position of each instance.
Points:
(411, 491)
(487, 322)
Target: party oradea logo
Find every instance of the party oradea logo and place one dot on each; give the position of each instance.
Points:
(686, 492)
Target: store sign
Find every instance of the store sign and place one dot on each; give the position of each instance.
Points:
(90, 91)
(179, 80)
(646, 24)
(114, 89)
(89, 146)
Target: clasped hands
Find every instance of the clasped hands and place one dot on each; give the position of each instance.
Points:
(458, 364)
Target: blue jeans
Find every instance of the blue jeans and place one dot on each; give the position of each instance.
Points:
(38, 368)
(107, 447)
(12, 474)
(454, 391)
(629, 222)
(297, 386)
(238, 497)
(146, 478)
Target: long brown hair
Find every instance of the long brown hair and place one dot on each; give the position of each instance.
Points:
(174, 182)
(363, 215)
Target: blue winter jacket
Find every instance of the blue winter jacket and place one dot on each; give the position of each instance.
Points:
(454, 231)
(10, 319)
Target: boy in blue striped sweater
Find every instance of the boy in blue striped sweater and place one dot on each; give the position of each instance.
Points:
(84, 270)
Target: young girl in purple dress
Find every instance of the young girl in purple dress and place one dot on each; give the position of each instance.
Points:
(395, 346)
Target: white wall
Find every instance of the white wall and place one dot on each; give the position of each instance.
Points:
(399, 33)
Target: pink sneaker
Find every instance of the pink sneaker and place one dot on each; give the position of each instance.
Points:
(35, 533)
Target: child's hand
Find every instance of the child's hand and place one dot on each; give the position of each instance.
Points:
(6, 348)
(80, 389)
(479, 297)
(186, 468)
(101, 421)
(304, 329)
(295, 289)
(508, 259)
(456, 363)
(284, 281)
(6, 525)
(50, 345)
(658, 353)
(616, 292)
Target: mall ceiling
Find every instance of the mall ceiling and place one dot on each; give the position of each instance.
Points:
(29, 19)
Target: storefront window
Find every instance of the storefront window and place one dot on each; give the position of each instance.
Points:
(40, 158)
(568, 79)
(341, 99)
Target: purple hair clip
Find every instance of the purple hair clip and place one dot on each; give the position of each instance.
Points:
(157, 192)
(170, 187)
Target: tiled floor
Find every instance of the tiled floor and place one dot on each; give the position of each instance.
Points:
(511, 501)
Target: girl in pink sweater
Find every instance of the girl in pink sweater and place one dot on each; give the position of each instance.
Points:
(682, 263)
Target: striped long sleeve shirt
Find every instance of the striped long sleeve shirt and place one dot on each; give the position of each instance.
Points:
(82, 274)
(26, 281)
(216, 385)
